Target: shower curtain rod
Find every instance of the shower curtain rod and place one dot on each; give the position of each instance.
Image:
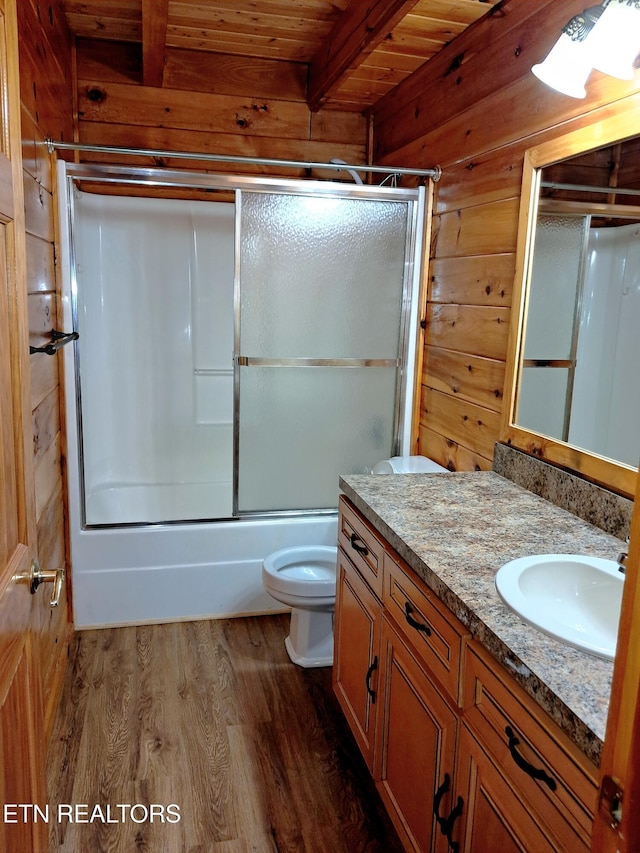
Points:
(435, 173)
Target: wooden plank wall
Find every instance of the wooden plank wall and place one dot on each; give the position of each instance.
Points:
(474, 110)
(208, 103)
(46, 96)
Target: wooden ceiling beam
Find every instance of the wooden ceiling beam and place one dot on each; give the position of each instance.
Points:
(155, 15)
(360, 28)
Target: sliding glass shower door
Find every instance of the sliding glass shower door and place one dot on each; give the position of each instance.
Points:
(236, 356)
(322, 293)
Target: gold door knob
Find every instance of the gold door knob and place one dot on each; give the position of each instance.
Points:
(35, 576)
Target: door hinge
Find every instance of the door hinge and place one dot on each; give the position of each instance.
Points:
(611, 795)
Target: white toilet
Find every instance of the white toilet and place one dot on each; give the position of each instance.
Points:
(304, 578)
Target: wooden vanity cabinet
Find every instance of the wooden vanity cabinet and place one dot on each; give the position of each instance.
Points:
(357, 625)
(494, 817)
(464, 760)
(509, 745)
(415, 746)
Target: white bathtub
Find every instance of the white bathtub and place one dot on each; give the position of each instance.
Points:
(115, 503)
(172, 572)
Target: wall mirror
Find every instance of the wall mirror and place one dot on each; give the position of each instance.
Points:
(573, 393)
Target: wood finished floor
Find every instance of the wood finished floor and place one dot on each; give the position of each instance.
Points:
(211, 716)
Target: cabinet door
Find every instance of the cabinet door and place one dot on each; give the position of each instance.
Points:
(494, 817)
(549, 772)
(416, 745)
(356, 656)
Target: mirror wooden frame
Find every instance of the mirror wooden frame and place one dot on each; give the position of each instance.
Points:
(602, 130)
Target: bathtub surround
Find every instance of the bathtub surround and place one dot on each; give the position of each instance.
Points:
(592, 503)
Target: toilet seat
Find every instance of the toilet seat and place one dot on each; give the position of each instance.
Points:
(306, 572)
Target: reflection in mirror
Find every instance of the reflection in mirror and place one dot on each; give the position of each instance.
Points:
(578, 379)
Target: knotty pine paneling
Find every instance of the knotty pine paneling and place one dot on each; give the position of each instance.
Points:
(490, 64)
(42, 314)
(467, 377)
(452, 455)
(485, 229)
(235, 115)
(224, 74)
(436, 93)
(47, 111)
(142, 105)
(468, 424)
(473, 280)
(40, 264)
(168, 139)
(521, 110)
(46, 424)
(44, 377)
(486, 178)
(38, 204)
(47, 474)
(45, 64)
(260, 112)
(478, 329)
(475, 109)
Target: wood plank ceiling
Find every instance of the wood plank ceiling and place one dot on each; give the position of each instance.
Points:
(353, 53)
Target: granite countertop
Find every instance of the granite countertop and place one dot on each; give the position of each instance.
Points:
(455, 530)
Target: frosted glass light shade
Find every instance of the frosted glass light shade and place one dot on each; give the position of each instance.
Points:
(566, 68)
(614, 42)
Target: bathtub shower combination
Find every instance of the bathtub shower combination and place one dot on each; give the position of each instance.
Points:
(579, 379)
(235, 356)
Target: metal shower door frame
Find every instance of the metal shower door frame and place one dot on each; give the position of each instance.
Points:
(415, 200)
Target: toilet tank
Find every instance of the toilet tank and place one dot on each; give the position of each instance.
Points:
(408, 465)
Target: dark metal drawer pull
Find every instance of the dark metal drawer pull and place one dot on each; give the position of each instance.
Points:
(419, 626)
(360, 548)
(446, 823)
(442, 790)
(523, 764)
(367, 681)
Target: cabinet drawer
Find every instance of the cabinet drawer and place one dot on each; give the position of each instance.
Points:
(425, 622)
(550, 773)
(361, 544)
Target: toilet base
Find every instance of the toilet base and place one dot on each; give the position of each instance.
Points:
(310, 640)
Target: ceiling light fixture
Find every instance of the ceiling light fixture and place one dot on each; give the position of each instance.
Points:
(604, 37)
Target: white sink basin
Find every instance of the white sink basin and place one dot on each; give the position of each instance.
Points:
(574, 599)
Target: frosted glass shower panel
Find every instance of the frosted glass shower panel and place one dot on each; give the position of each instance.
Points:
(322, 286)
(300, 428)
(544, 399)
(560, 245)
(321, 277)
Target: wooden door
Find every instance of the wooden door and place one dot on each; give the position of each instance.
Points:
(620, 764)
(22, 746)
(415, 748)
(356, 658)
